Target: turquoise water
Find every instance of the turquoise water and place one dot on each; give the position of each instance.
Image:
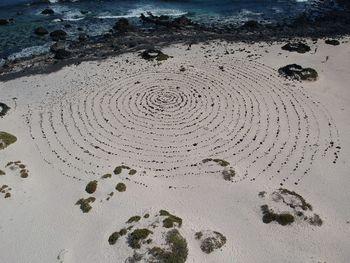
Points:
(97, 17)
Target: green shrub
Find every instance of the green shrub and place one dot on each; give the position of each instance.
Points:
(113, 238)
(137, 236)
(85, 204)
(121, 187)
(91, 187)
(133, 219)
(132, 172)
(6, 139)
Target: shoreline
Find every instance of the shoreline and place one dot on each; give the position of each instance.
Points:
(134, 39)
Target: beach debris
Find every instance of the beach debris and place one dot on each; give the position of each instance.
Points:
(287, 207)
(6, 139)
(210, 240)
(332, 42)
(295, 71)
(3, 109)
(296, 47)
(41, 31)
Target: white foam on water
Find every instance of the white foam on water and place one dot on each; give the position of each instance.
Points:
(30, 51)
(143, 10)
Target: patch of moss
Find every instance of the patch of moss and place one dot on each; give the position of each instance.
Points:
(121, 187)
(133, 219)
(132, 172)
(6, 139)
(137, 236)
(91, 187)
(146, 215)
(113, 238)
(85, 204)
(2, 172)
(7, 195)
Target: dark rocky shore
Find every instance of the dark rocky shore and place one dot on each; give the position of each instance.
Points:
(125, 37)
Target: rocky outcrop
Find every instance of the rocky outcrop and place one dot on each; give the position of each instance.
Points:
(297, 47)
(295, 71)
(178, 22)
(122, 25)
(41, 31)
(332, 42)
(58, 35)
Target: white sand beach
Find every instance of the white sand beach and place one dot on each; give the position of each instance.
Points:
(213, 133)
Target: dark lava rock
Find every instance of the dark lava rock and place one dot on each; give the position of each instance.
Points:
(41, 31)
(122, 25)
(67, 26)
(58, 46)
(151, 54)
(251, 24)
(83, 37)
(3, 109)
(58, 35)
(62, 54)
(4, 22)
(295, 71)
(297, 47)
(48, 11)
(332, 42)
(179, 22)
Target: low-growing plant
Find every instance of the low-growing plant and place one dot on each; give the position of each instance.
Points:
(137, 236)
(120, 187)
(133, 219)
(91, 187)
(113, 238)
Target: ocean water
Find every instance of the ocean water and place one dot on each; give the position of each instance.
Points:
(95, 17)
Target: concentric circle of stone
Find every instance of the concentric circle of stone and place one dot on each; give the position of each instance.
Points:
(165, 122)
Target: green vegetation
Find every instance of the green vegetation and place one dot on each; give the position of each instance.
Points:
(113, 238)
(137, 236)
(211, 243)
(133, 219)
(24, 173)
(132, 172)
(315, 220)
(178, 248)
(6, 139)
(304, 205)
(91, 187)
(229, 174)
(198, 235)
(220, 162)
(85, 204)
(119, 169)
(105, 176)
(269, 215)
(146, 215)
(121, 187)
(123, 231)
(170, 220)
(2, 172)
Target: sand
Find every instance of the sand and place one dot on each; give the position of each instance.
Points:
(164, 119)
